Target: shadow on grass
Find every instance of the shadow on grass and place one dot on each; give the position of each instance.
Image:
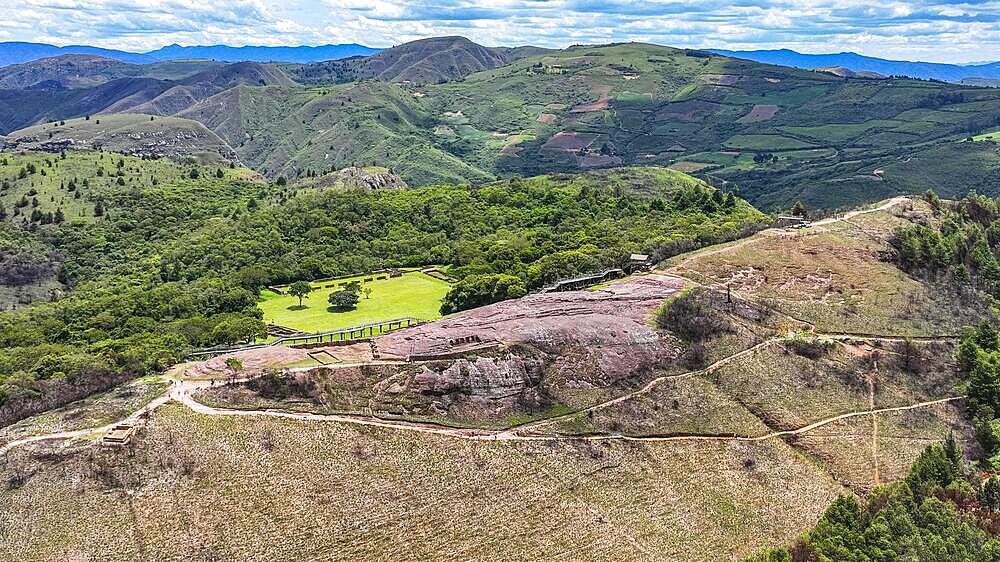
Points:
(298, 307)
(339, 309)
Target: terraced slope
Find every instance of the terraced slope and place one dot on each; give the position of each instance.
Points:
(778, 134)
(448, 110)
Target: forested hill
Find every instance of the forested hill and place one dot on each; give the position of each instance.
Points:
(149, 259)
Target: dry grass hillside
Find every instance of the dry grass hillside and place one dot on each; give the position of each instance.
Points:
(650, 418)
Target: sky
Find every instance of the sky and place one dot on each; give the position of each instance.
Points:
(938, 31)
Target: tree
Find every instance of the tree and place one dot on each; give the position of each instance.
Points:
(239, 329)
(989, 495)
(300, 289)
(799, 210)
(281, 181)
(367, 291)
(235, 366)
(481, 290)
(194, 174)
(931, 470)
(343, 300)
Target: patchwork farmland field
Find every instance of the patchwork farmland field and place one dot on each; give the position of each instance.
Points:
(414, 294)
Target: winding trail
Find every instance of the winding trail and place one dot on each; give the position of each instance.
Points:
(850, 215)
(181, 391)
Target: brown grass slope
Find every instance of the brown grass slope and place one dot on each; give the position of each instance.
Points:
(202, 488)
(425, 61)
(666, 442)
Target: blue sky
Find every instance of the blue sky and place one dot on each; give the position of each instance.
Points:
(915, 30)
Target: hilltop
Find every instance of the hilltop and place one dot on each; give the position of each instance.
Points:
(14, 52)
(823, 370)
(425, 61)
(134, 134)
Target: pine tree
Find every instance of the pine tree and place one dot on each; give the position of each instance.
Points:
(989, 495)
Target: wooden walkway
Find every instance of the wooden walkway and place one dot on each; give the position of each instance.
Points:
(353, 333)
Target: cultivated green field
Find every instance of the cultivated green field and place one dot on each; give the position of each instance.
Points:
(992, 135)
(414, 294)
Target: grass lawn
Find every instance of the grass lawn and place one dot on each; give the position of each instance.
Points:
(414, 294)
(992, 135)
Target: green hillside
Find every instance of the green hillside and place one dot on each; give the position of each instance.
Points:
(637, 104)
(448, 110)
(128, 133)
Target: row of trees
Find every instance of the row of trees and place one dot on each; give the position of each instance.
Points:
(941, 511)
(963, 244)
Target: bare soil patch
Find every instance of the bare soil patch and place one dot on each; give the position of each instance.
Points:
(546, 118)
(759, 113)
(568, 141)
(720, 79)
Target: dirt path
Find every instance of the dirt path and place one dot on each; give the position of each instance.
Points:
(870, 377)
(181, 391)
(847, 216)
(650, 386)
(832, 220)
(81, 433)
(185, 398)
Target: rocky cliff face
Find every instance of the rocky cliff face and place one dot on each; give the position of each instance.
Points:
(466, 389)
(369, 178)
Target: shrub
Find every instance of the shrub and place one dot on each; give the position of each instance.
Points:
(694, 315)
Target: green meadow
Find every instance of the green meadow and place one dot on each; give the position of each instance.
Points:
(415, 294)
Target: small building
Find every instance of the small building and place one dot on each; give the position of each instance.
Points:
(790, 221)
(639, 262)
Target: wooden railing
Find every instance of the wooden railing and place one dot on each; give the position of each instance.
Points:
(342, 335)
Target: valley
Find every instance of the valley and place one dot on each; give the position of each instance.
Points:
(775, 134)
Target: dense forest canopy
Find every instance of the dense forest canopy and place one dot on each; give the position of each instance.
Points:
(158, 258)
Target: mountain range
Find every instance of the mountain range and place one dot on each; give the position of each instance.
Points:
(446, 109)
(15, 52)
(861, 63)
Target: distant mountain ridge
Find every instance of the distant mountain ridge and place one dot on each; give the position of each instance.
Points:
(19, 52)
(251, 53)
(861, 63)
(424, 61)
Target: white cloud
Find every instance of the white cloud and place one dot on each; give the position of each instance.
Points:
(926, 29)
